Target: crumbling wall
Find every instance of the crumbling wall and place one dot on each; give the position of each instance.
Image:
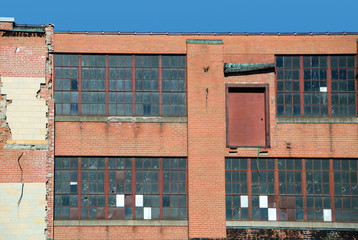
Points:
(27, 114)
(26, 220)
(26, 105)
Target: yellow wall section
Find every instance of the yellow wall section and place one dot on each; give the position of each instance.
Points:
(26, 115)
(28, 220)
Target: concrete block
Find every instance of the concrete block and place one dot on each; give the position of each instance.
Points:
(39, 220)
(5, 209)
(11, 191)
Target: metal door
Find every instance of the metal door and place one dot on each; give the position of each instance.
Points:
(246, 117)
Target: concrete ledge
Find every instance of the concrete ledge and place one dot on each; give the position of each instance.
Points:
(152, 223)
(26, 146)
(205, 41)
(317, 120)
(120, 119)
(291, 225)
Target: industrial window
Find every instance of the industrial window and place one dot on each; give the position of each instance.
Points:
(120, 188)
(291, 189)
(318, 193)
(262, 187)
(236, 189)
(346, 190)
(120, 85)
(316, 86)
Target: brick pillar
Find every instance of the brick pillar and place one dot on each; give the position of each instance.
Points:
(206, 139)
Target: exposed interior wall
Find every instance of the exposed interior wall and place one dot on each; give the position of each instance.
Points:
(26, 123)
(26, 220)
(27, 113)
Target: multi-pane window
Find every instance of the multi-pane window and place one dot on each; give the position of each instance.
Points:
(66, 188)
(263, 187)
(147, 188)
(318, 193)
(343, 86)
(316, 86)
(120, 195)
(92, 188)
(120, 188)
(291, 189)
(346, 190)
(174, 188)
(66, 84)
(237, 201)
(120, 95)
(288, 86)
(120, 85)
(174, 85)
(93, 95)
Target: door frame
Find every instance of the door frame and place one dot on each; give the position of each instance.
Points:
(265, 87)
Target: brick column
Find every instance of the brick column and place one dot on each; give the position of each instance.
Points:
(206, 139)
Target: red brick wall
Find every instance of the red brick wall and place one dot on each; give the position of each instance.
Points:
(206, 138)
(205, 131)
(307, 140)
(28, 56)
(120, 139)
(111, 232)
(28, 61)
(6, 25)
(33, 164)
(233, 45)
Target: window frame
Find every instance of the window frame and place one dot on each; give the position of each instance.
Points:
(179, 106)
(278, 199)
(109, 211)
(281, 102)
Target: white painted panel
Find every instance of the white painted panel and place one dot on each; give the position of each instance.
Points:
(263, 202)
(139, 200)
(272, 214)
(120, 200)
(147, 213)
(244, 201)
(327, 215)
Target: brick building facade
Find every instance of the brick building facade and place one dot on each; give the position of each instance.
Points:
(177, 136)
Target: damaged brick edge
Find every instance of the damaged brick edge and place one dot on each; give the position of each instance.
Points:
(26, 146)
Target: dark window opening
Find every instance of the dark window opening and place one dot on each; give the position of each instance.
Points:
(120, 188)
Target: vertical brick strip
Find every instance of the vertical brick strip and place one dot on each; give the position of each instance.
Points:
(206, 141)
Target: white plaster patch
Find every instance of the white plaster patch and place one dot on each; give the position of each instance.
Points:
(147, 212)
(244, 201)
(139, 200)
(272, 214)
(263, 202)
(327, 215)
(120, 200)
(26, 108)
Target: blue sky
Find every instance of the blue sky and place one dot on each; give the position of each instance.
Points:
(188, 15)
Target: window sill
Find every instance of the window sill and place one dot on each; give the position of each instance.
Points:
(153, 223)
(316, 120)
(288, 224)
(121, 119)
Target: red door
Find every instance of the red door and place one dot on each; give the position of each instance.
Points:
(246, 117)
